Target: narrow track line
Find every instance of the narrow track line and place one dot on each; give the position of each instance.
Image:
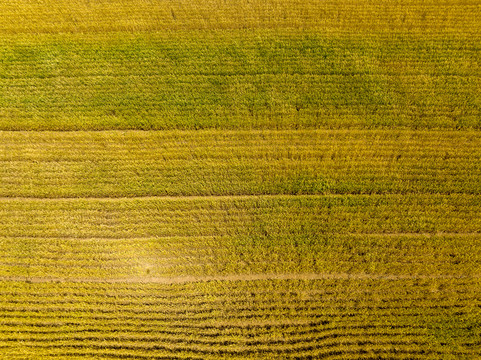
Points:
(170, 197)
(180, 237)
(223, 197)
(229, 278)
(251, 131)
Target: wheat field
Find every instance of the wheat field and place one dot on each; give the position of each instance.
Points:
(240, 179)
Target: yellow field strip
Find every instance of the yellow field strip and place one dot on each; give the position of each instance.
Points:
(180, 239)
(63, 16)
(168, 198)
(145, 165)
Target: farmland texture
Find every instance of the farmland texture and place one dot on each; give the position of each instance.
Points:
(240, 179)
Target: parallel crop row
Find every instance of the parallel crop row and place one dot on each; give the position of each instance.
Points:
(217, 162)
(270, 217)
(147, 259)
(240, 79)
(232, 323)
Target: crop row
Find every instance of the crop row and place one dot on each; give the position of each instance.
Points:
(240, 144)
(362, 321)
(354, 351)
(216, 311)
(183, 57)
(260, 216)
(192, 306)
(239, 79)
(267, 293)
(215, 162)
(149, 258)
(273, 290)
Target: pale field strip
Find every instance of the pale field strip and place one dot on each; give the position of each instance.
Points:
(124, 239)
(215, 162)
(160, 217)
(131, 15)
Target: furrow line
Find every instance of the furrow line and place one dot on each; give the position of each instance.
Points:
(233, 278)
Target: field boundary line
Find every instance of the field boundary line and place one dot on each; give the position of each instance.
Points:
(231, 278)
(177, 197)
(221, 197)
(401, 129)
